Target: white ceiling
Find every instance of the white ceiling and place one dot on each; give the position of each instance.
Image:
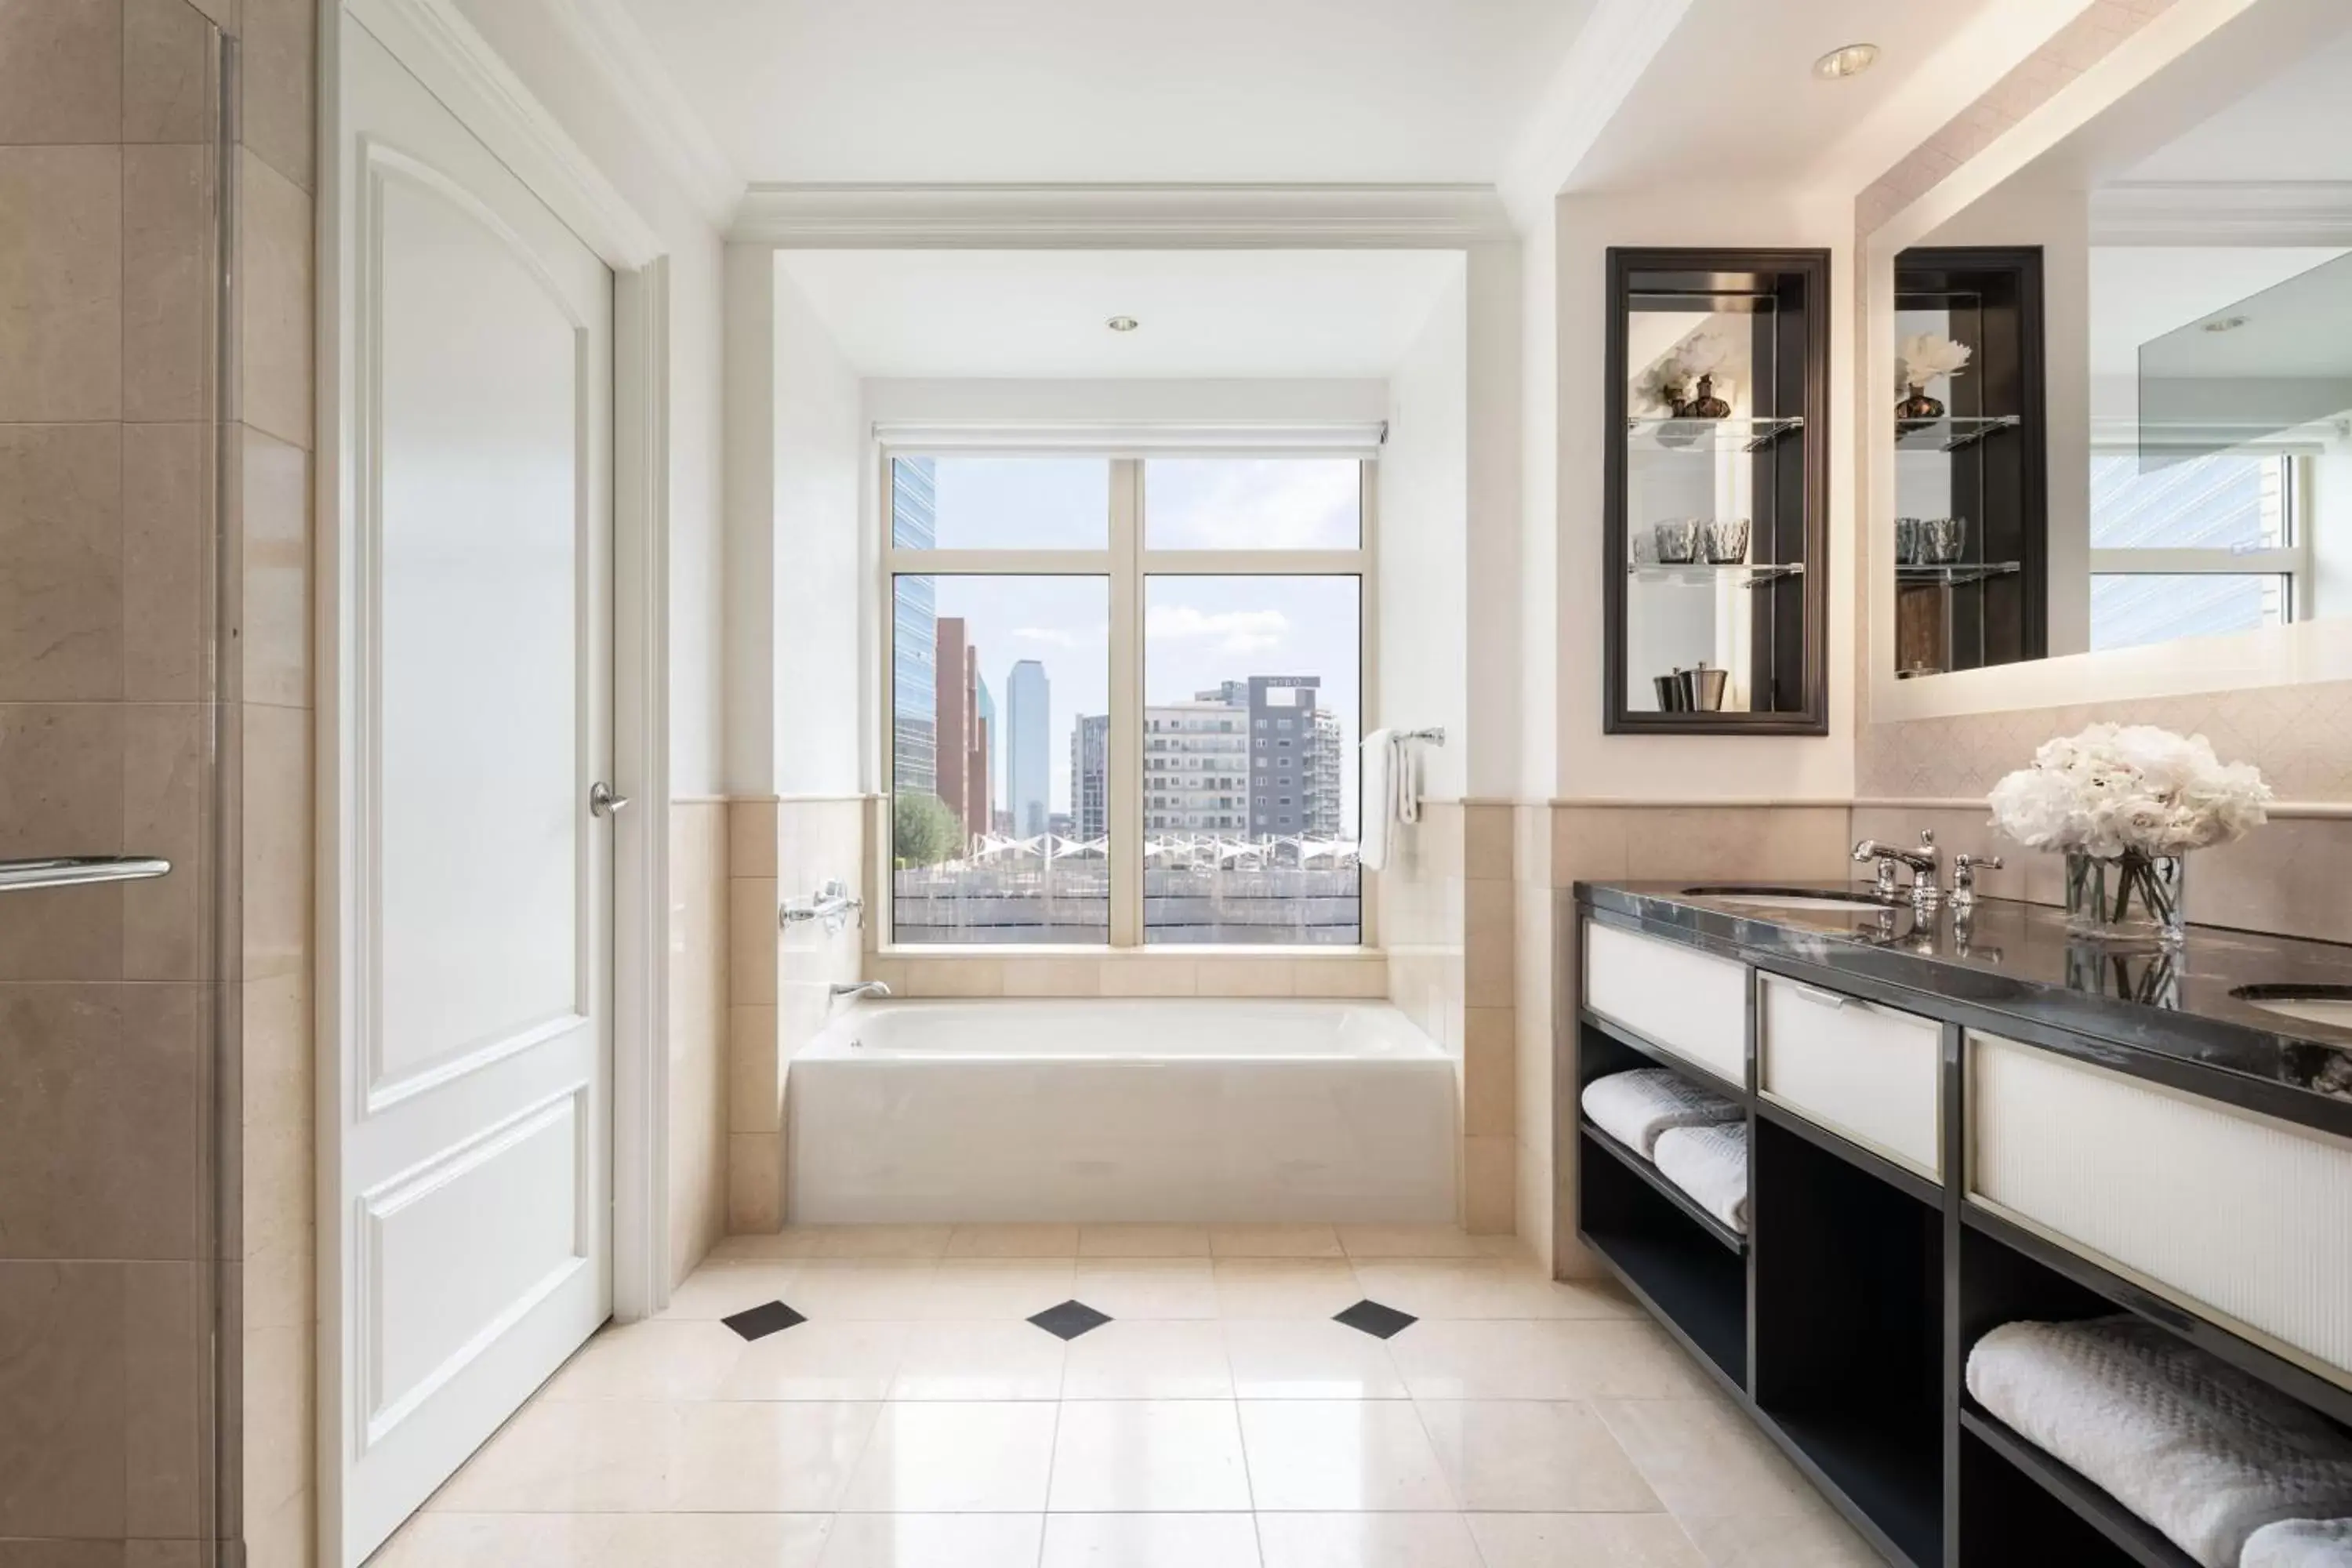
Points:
(2296, 126)
(2138, 293)
(1041, 313)
(1114, 90)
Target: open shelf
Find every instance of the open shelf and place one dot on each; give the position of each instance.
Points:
(1849, 1332)
(1681, 1271)
(1707, 574)
(1951, 434)
(1648, 1172)
(1650, 434)
(1955, 575)
(1610, 1047)
(2015, 1494)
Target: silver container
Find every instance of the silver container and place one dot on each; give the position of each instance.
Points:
(1677, 542)
(1702, 688)
(1671, 697)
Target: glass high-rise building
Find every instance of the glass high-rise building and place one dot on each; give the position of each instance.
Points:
(1028, 748)
(914, 653)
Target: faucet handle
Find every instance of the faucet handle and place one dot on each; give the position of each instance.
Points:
(1965, 868)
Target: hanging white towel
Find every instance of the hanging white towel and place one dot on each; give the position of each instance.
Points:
(2183, 1440)
(1710, 1163)
(2300, 1543)
(1383, 759)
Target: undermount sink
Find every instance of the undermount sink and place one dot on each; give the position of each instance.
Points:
(1786, 897)
(2329, 1004)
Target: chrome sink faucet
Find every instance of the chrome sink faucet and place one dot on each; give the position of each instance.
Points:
(1925, 891)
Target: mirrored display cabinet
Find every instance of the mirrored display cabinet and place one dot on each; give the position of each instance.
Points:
(1970, 538)
(1715, 492)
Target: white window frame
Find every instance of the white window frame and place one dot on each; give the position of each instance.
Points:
(1127, 562)
(2292, 562)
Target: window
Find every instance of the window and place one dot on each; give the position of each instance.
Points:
(1047, 788)
(2196, 547)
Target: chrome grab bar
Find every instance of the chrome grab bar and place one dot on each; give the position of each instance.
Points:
(79, 870)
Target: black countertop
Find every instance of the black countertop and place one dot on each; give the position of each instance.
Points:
(2166, 1015)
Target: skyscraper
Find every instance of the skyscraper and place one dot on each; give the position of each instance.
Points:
(1028, 747)
(914, 653)
(979, 799)
(962, 712)
(1090, 777)
(1286, 737)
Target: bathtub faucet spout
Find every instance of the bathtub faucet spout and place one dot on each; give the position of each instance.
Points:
(858, 988)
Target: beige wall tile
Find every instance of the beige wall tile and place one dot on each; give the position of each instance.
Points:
(61, 776)
(1589, 844)
(61, 280)
(278, 1199)
(947, 977)
(1733, 843)
(166, 72)
(168, 281)
(1150, 977)
(1490, 1181)
(754, 1071)
(1490, 1072)
(273, 572)
(1053, 977)
(752, 934)
(60, 71)
(277, 812)
(166, 807)
(62, 1444)
(755, 1183)
(1488, 943)
(752, 826)
(60, 561)
(279, 1433)
(1531, 843)
(1247, 978)
(1486, 842)
(102, 1096)
(1340, 979)
(274, 337)
(278, 37)
(286, 1536)
(167, 510)
(167, 1350)
(698, 1044)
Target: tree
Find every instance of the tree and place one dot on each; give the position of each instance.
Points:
(923, 831)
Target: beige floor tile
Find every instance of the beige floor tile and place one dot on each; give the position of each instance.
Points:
(1149, 1541)
(764, 1457)
(931, 1541)
(1285, 1287)
(1148, 1456)
(657, 1360)
(1275, 1241)
(547, 1460)
(1143, 1241)
(1013, 1241)
(1543, 1358)
(606, 1541)
(1149, 1359)
(1706, 1459)
(1366, 1541)
(980, 1458)
(1815, 1539)
(1147, 1287)
(1483, 1288)
(826, 1360)
(882, 1288)
(1530, 1455)
(719, 1289)
(1582, 1540)
(980, 1361)
(1308, 1358)
(883, 1240)
(1331, 1455)
(1406, 1241)
(764, 1246)
(967, 1289)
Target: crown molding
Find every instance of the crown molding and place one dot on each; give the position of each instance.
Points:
(609, 37)
(1103, 217)
(2312, 212)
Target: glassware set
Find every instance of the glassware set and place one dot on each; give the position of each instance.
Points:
(1686, 541)
(1931, 540)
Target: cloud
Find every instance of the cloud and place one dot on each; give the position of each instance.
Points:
(1054, 636)
(1260, 504)
(1230, 631)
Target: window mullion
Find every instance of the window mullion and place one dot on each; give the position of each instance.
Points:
(1126, 804)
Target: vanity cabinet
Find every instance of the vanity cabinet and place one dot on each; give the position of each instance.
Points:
(1928, 1159)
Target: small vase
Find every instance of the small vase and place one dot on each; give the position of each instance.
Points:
(1918, 405)
(1705, 404)
(2131, 897)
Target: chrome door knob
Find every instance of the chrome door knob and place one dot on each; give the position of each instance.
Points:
(603, 802)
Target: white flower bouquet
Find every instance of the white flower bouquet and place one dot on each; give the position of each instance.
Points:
(2124, 803)
(1924, 356)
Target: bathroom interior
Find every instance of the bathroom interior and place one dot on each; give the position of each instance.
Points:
(1375, 787)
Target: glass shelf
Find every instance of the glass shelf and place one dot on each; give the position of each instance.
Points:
(1745, 576)
(1951, 435)
(1708, 435)
(1956, 573)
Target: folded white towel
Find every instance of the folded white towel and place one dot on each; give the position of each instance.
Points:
(1710, 1163)
(2197, 1448)
(2300, 1543)
(1634, 1107)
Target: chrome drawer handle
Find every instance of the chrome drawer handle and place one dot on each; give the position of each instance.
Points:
(79, 870)
(1820, 998)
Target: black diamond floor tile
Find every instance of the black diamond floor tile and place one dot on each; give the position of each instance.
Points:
(1070, 1319)
(1380, 1322)
(767, 1318)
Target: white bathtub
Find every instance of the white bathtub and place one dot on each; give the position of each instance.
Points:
(1176, 1109)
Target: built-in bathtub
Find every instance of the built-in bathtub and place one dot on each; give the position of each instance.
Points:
(1174, 1110)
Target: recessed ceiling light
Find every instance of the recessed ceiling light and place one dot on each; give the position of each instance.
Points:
(2225, 324)
(1122, 324)
(1852, 60)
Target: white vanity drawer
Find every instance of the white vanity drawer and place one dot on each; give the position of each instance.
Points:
(1691, 1003)
(2246, 1217)
(1868, 1073)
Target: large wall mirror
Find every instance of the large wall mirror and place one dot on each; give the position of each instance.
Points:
(2118, 425)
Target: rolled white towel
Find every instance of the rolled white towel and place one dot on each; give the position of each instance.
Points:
(2199, 1450)
(2300, 1543)
(1710, 1163)
(1634, 1107)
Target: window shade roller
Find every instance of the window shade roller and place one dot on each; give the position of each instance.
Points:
(1138, 440)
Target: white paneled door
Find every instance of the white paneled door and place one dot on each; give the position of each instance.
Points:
(473, 1217)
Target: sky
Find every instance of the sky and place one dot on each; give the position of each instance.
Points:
(1198, 631)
